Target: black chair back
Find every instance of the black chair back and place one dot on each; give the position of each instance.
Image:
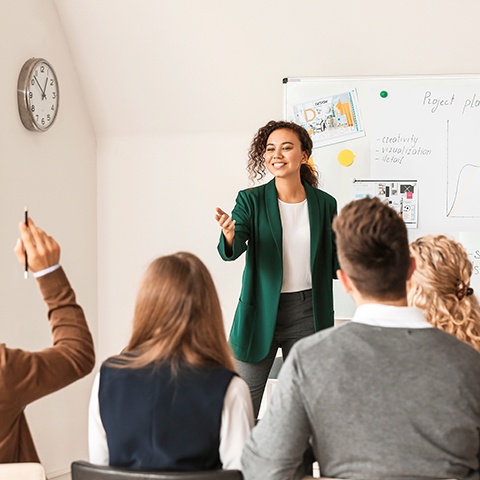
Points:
(88, 471)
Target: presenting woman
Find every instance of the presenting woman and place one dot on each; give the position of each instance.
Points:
(171, 400)
(285, 228)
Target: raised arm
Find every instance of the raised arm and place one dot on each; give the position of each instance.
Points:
(26, 376)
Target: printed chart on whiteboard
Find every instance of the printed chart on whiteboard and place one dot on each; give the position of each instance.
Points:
(402, 196)
(331, 119)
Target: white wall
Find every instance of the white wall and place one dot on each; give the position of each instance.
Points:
(54, 174)
(157, 195)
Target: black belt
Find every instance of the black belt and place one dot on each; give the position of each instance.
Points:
(296, 296)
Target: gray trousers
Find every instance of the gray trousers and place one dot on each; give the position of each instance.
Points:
(294, 321)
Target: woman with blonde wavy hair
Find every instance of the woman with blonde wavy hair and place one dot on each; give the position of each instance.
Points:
(440, 286)
(171, 400)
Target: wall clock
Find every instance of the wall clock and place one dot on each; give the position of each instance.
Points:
(38, 95)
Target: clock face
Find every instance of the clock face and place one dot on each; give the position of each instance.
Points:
(38, 95)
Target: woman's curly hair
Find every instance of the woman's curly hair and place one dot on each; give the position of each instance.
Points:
(256, 155)
(443, 265)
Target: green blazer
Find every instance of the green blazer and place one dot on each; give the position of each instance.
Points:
(258, 231)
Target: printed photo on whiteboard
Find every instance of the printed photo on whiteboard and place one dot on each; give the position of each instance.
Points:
(331, 119)
(402, 196)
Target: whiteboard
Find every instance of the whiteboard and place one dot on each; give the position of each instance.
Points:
(422, 128)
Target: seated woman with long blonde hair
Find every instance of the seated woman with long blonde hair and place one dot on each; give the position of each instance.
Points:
(440, 286)
(171, 400)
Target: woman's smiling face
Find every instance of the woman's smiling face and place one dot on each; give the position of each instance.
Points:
(283, 154)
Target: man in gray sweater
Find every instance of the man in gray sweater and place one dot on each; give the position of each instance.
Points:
(386, 396)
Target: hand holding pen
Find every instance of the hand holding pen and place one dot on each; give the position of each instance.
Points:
(41, 249)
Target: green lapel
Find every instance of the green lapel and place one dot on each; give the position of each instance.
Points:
(316, 220)
(273, 214)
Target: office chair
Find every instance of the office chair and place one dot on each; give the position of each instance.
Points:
(87, 471)
(22, 471)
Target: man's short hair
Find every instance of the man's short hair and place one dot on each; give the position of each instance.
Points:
(372, 244)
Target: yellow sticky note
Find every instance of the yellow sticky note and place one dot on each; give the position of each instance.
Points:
(345, 158)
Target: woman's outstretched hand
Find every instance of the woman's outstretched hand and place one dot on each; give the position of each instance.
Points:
(227, 224)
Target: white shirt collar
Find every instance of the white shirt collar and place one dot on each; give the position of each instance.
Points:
(378, 315)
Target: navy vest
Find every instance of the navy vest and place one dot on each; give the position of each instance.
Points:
(159, 421)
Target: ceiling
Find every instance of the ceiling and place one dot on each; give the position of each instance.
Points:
(176, 66)
(150, 66)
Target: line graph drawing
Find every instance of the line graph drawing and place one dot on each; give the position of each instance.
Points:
(462, 200)
(456, 203)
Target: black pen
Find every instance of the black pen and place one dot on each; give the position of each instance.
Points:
(26, 258)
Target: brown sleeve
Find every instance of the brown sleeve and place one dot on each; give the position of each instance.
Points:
(27, 376)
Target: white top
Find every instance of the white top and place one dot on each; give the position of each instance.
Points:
(378, 315)
(237, 421)
(297, 272)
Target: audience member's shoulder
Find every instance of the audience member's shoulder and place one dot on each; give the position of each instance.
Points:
(117, 361)
(460, 349)
(327, 337)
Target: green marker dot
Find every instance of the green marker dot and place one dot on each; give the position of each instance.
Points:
(383, 94)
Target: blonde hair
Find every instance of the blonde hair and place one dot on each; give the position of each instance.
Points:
(442, 266)
(177, 317)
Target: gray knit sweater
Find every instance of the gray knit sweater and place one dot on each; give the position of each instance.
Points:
(376, 403)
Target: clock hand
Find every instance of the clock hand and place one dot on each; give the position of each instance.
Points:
(45, 89)
(39, 86)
